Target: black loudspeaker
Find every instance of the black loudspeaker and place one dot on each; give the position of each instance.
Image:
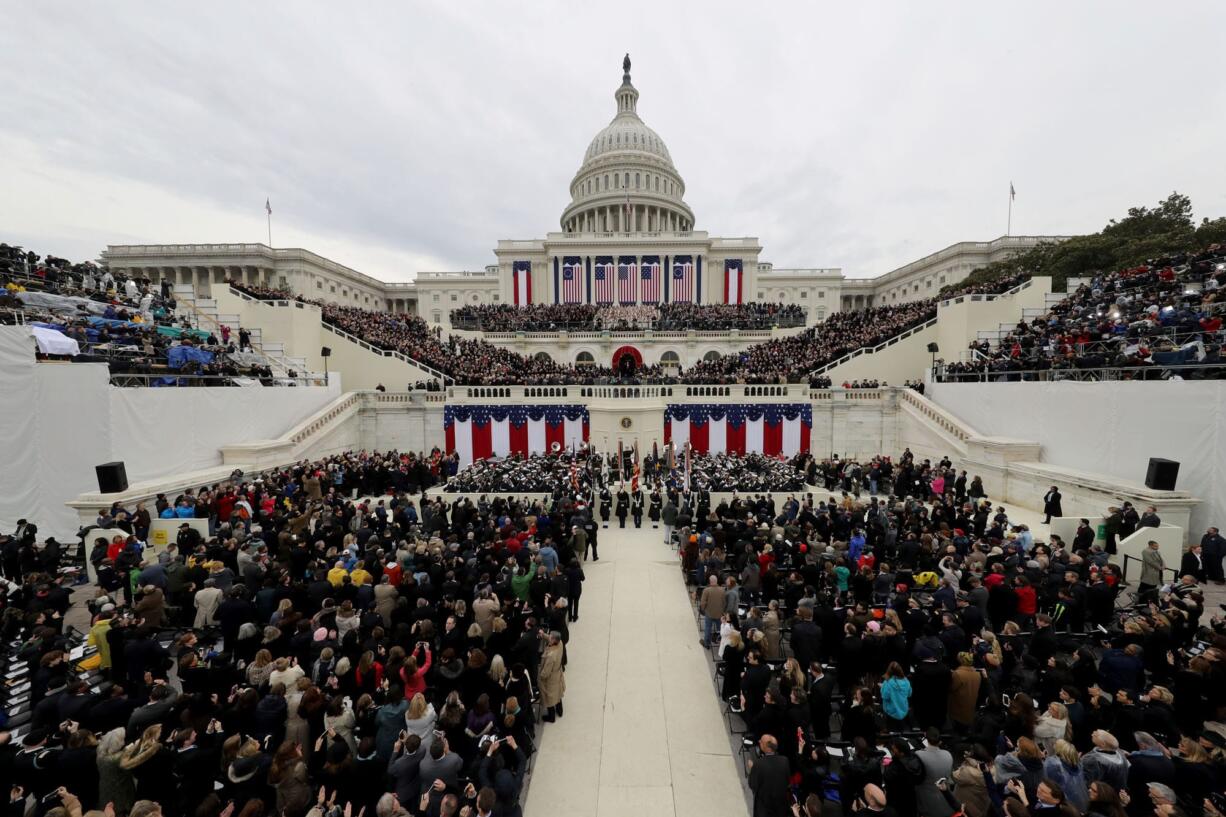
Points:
(325, 352)
(112, 477)
(1162, 474)
(932, 348)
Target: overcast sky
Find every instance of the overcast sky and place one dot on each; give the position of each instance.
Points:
(398, 137)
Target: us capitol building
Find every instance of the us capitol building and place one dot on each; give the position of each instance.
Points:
(627, 236)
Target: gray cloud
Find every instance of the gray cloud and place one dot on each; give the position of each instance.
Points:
(396, 137)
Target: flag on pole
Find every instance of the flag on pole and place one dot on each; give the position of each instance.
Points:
(687, 466)
(621, 463)
(1012, 192)
(268, 207)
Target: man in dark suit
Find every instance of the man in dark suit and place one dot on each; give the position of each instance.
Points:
(1051, 504)
(768, 780)
(821, 691)
(1213, 549)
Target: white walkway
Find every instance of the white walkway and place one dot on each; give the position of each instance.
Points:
(643, 733)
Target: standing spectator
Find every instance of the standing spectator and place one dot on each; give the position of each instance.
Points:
(1051, 504)
(769, 781)
(1152, 566)
(552, 676)
(1213, 550)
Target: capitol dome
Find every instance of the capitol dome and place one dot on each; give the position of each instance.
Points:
(627, 182)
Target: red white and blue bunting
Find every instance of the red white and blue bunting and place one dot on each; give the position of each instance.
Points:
(773, 429)
(480, 432)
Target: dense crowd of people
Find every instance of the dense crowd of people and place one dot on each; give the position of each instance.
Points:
(591, 318)
(1166, 312)
(749, 472)
(346, 638)
(554, 474)
(783, 360)
(919, 652)
(88, 314)
(337, 642)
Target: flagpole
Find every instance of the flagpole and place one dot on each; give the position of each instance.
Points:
(1009, 223)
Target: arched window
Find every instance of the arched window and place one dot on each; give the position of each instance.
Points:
(657, 184)
(585, 359)
(670, 360)
(626, 180)
(711, 355)
(606, 181)
(636, 181)
(542, 356)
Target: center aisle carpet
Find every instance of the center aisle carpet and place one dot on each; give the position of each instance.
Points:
(643, 732)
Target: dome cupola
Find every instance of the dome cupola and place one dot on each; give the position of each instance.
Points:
(627, 182)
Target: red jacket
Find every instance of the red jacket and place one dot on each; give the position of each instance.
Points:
(1027, 600)
(394, 573)
(416, 682)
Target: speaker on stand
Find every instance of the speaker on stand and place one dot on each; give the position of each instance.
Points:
(112, 477)
(1162, 474)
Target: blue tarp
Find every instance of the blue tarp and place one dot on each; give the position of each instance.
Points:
(179, 356)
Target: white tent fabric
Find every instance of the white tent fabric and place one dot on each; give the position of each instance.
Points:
(1111, 428)
(62, 420)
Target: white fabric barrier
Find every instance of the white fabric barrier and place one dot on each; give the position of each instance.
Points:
(60, 420)
(1111, 428)
(159, 432)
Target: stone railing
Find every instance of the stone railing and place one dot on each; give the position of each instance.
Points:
(615, 391)
(633, 334)
(938, 416)
(976, 297)
(868, 350)
(370, 347)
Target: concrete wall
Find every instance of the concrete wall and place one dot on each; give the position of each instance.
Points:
(300, 328)
(908, 359)
(960, 320)
(1110, 428)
